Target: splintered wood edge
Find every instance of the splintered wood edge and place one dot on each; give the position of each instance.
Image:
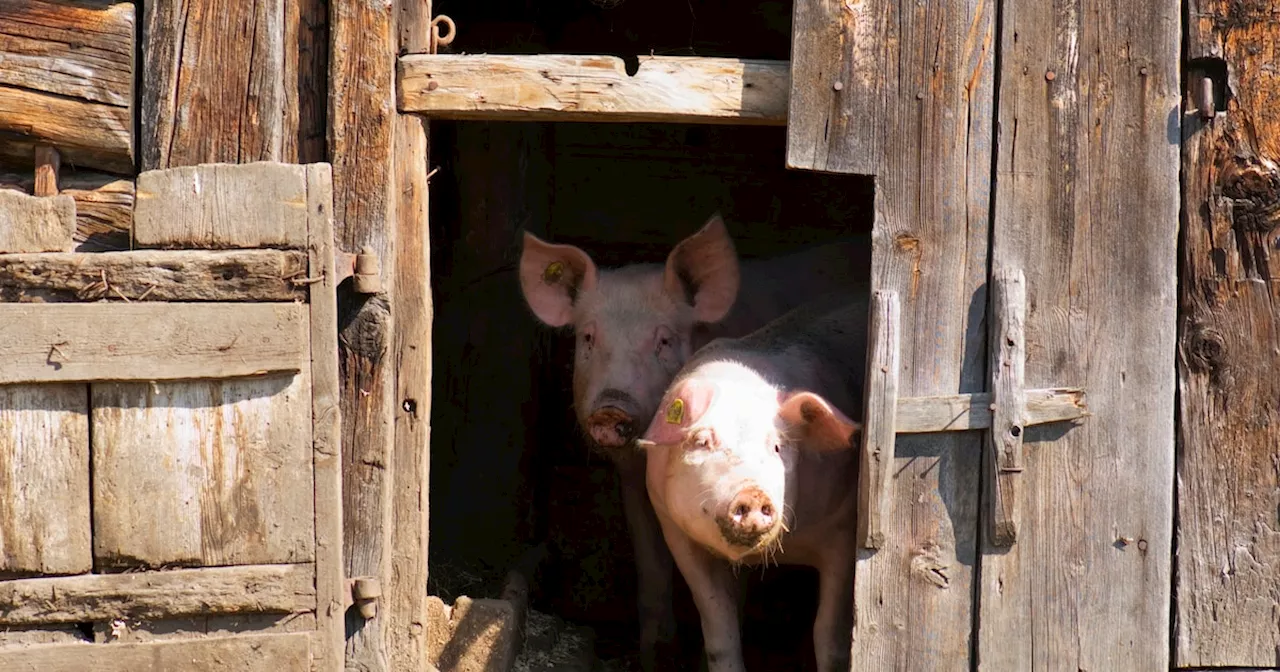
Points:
(594, 88)
(256, 589)
(326, 422)
(879, 428)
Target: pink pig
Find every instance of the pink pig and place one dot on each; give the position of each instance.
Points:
(636, 326)
(751, 461)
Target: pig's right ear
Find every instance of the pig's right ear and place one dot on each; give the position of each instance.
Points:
(681, 407)
(703, 270)
(821, 426)
(552, 277)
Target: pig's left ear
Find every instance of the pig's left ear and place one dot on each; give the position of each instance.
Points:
(703, 270)
(681, 406)
(819, 425)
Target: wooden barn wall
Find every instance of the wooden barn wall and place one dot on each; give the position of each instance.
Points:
(905, 91)
(1086, 204)
(1228, 546)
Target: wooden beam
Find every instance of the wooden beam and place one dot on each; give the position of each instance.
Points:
(154, 275)
(361, 149)
(241, 653)
(260, 204)
(326, 432)
(594, 88)
(879, 429)
(1088, 584)
(61, 342)
(1228, 482)
(904, 92)
(44, 480)
(36, 223)
(48, 163)
(958, 412)
(253, 589)
(1007, 360)
(104, 206)
(66, 78)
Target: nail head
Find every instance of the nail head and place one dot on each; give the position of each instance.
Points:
(838, 86)
(1050, 75)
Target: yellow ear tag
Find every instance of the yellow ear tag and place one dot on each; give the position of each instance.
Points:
(554, 270)
(675, 412)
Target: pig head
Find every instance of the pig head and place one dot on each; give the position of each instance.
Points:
(633, 325)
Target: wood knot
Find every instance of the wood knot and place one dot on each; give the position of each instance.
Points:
(1207, 349)
(1255, 190)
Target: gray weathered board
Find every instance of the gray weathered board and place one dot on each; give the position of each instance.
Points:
(36, 223)
(904, 91)
(196, 428)
(1086, 204)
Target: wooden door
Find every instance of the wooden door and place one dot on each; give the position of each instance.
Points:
(169, 452)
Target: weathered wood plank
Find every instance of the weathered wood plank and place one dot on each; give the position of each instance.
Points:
(73, 50)
(406, 599)
(44, 480)
(1007, 359)
(326, 432)
(202, 473)
(149, 341)
(1228, 607)
(361, 137)
(957, 412)
(36, 223)
(594, 88)
(1087, 586)
(104, 206)
(48, 163)
(216, 83)
(66, 78)
(285, 589)
(260, 204)
(879, 429)
(242, 653)
(913, 106)
(170, 275)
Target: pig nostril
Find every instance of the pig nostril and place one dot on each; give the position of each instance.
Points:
(740, 511)
(767, 510)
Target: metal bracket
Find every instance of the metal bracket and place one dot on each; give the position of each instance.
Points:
(363, 591)
(364, 267)
(1004, 412)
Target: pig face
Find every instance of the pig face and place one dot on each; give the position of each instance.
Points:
(632, 325)
(722, 455)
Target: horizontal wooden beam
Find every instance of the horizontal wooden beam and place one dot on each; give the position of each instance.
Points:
(104, 205)
(64, 342)
(216, 654)
(959, 412)
(36, 223)
(252, 589)
(594, 88)
(155, 275)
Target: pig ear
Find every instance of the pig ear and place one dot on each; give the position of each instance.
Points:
(703, 270)
(552, 276)
(819, 425)
(683, 404)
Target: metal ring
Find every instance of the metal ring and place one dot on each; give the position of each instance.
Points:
(438, 40)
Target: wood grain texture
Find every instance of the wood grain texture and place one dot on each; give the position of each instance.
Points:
(879, 428)
(48, 163)
(170, 275)
(1228, 557)
(44, 480)
(1007, 358)
(242, 653)
(36, 223)
(216, 83)
(406, 599)
(957, 412)
(149, 341)
(326, 424)
(66, 77)
(282, 589)
(104, 206)
(361, 131)
(261, 204)
(1087, 207)
(914, 108)
(594, 88)
(202, 473)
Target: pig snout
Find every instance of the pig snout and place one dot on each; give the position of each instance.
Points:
(611, 426)
(749, 519)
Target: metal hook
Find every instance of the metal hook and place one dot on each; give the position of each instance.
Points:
(437, 39)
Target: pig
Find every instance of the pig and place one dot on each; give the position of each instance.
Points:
(750, 461)
(635, 326)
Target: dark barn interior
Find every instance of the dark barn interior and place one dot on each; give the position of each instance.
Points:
(510, 470)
